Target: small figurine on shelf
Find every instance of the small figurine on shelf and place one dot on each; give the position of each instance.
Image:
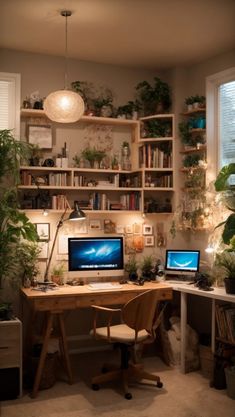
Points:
(26, 103)
(126, 164)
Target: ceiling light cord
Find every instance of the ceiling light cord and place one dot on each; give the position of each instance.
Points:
(66, 14)
(64, 106)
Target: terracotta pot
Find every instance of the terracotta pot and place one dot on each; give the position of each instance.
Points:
(57, 279)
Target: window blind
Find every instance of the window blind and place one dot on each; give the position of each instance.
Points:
(226, 128)
(4, 105)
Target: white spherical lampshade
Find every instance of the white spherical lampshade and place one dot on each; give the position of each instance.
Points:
(64, 106)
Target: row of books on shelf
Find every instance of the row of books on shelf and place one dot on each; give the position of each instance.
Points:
(164, 181)
(99, 201)
(225, 320)
(53, 179)
(153, 157)
(60, 202)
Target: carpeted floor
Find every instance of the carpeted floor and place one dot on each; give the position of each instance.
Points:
(182, 395)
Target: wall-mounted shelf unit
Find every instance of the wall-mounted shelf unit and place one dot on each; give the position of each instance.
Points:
(194, 153)
(106, 189)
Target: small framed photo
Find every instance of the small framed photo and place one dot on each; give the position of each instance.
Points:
(95, 224)
(129, 245)
(138, 243)
(147, 229)
(137, 228)
(109, 226)
(149, 241)
(129, 228)
(120, 229)
(40, 135)
(43, 231)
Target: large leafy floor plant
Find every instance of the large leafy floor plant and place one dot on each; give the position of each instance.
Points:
(226, 258)
(15, 226)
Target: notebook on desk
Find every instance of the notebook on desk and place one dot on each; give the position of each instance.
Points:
(96, 286)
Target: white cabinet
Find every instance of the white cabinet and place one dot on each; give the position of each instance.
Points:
(11, 356)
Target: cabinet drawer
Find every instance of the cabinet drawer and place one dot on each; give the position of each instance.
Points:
(10, 344)
(9, 356)
(52, 304)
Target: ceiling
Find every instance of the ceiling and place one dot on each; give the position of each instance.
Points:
(154, 34)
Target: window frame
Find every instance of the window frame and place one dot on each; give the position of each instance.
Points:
(213, 83)
(14, 101)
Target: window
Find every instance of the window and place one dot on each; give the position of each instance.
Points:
(226, 109)
(220, 93)
(10, 102)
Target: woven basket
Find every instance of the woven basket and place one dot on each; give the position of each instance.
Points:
(48, 378)
(207, 361)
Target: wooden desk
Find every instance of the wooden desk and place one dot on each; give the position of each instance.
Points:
(55, 302)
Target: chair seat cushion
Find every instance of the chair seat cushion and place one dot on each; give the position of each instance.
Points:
(120, 333)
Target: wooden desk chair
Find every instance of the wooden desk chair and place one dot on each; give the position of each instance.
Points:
(140, 317)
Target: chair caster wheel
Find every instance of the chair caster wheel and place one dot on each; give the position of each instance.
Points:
(159, 384)
(128, 396)
(95, 387)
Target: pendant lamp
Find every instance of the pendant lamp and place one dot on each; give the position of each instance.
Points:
(64, 106)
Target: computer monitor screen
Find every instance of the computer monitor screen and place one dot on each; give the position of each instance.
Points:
(96, 256)
(182, 261)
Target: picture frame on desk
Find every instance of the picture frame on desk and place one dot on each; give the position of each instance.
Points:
(40, 135)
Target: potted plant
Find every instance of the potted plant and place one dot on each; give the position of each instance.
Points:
(14, 225)
(28, 253)
(154, 98)
(191, 160)
(131, 266)
(77, 159)
(129, 110)
(93, 155)
(226, 261)
(103, 103)
(86, 91)
(57, 273)
(147, 267)
(124, 112)
(189, 103)
(36, 155)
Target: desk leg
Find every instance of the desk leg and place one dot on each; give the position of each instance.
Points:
(213, 326)
(65, 348)
(42, 356)
(183, 326)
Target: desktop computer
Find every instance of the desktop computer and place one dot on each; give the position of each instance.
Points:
(182, 265)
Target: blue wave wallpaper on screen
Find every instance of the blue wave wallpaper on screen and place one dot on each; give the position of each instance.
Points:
(182, 260)
(90, 254)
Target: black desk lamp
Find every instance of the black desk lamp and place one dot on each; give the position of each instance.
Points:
(76, 214)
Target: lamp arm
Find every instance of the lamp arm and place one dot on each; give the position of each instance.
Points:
(59, 225)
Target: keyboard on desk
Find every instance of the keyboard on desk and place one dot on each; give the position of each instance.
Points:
(96, 286)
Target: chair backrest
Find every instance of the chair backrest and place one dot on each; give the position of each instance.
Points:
(140, 312)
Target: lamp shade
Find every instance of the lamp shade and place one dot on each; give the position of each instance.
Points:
(77, 214)
(64, 106)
